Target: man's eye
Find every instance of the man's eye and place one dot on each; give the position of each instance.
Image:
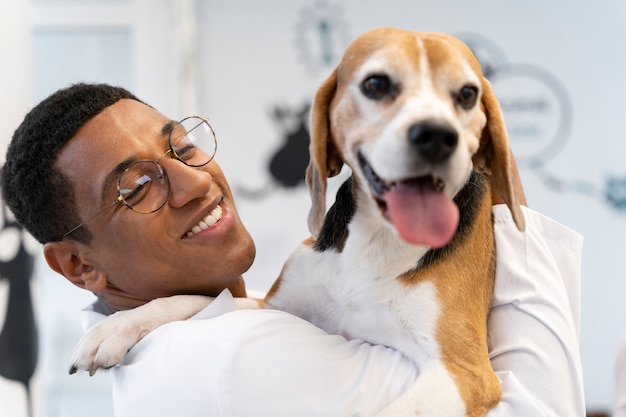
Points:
(185, 152)
(135, 192)
(377, 87)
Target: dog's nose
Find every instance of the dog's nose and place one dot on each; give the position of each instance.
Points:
(433, 139)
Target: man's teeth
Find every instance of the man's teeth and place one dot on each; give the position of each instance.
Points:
(212, 218)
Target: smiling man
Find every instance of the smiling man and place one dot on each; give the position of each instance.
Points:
(132, 206)
(129, 135)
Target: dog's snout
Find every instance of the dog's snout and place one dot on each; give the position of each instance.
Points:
(434, 140)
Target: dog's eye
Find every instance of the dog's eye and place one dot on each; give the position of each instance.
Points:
(467, 96)
(376, 87)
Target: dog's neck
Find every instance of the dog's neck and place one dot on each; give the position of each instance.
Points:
(368, 242)
(373, 243)
(362, 236)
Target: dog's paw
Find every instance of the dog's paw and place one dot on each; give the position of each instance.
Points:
(106, 344)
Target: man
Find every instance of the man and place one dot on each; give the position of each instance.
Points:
(78, 173)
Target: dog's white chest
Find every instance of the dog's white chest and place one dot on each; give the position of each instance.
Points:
(351, 302)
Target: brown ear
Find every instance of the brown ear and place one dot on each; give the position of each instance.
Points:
(66, 258)
(325, 160)
(494, 157)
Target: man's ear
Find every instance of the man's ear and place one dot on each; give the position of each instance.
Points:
(66, 258)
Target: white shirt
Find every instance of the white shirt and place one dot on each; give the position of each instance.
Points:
(224, 362)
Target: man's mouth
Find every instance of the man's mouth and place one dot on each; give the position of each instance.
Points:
(213, 217)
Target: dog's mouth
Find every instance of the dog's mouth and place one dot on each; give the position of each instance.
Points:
(420, 211)
(380, 186)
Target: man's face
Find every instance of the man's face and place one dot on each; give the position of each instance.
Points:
(145, 256)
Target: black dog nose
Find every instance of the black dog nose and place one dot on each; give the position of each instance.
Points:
(435, 140)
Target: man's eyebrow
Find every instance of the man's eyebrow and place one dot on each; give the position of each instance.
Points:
(168, 128)
(110, 181)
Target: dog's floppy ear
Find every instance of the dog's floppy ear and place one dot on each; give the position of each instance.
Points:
(494, 157)
(325, 160)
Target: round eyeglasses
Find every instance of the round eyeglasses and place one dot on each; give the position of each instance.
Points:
(143, 186)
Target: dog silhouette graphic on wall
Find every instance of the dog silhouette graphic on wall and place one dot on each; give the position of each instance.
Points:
(288, 164)
(18, 337)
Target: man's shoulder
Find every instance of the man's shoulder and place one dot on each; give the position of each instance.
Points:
(222, 334)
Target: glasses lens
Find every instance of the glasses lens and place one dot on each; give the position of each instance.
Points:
(193, 141)
(144, 187)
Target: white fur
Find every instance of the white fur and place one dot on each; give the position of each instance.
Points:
(351, 295)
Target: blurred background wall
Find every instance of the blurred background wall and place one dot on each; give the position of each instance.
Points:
(252, 67)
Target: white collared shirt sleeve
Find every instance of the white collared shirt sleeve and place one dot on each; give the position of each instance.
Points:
(256, 363)
(534, 320)
(269, 363)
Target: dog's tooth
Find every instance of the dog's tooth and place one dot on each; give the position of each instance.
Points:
(440, 185)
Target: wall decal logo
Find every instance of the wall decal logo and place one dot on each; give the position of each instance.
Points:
(321, 36)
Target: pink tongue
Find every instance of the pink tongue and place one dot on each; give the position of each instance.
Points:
(422, 215)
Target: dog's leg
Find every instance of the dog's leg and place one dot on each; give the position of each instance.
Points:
(106, 344)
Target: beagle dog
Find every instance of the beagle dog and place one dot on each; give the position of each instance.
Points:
(405, 257)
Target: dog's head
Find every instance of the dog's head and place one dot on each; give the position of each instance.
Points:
(412, 115)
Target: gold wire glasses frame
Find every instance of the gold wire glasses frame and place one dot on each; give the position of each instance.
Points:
(143, 186)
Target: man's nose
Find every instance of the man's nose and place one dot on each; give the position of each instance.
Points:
(186, 183)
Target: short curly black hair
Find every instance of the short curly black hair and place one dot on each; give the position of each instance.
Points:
(39, 196)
